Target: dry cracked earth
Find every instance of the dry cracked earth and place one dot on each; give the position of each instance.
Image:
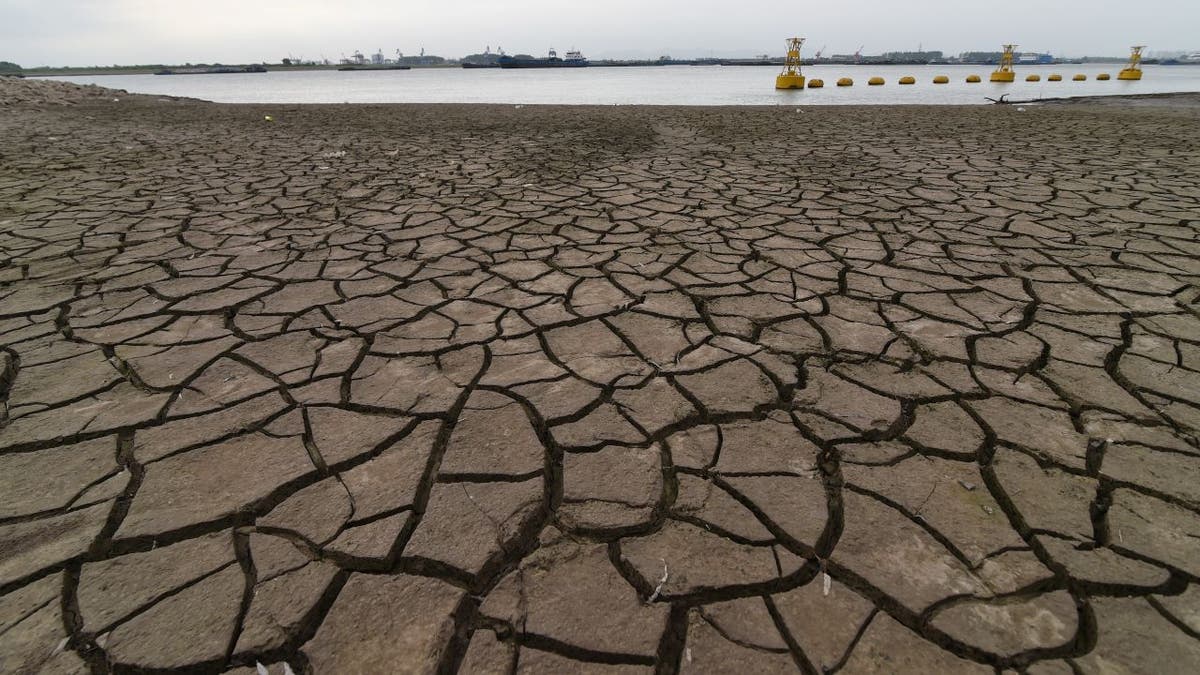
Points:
(496, 389)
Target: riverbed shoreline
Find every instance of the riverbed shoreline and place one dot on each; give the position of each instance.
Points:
(1173, 99)
(453, 387)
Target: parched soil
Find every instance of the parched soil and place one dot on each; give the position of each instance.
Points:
(16, 91)
(365, 389)
(1169, 100)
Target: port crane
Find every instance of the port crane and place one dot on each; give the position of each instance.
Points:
(819, 53)
(858, 54)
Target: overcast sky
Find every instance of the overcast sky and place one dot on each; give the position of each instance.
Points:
(103, 32)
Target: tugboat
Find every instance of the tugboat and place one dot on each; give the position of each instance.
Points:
(573, 59)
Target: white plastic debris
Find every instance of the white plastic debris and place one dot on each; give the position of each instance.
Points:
(62, 644)
(661, 582)
(262, 670)
(826, 583)
(802, 468)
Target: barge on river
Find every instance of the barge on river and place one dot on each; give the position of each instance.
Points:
(573, 59)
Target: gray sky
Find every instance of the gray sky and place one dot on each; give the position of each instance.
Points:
(103, 32)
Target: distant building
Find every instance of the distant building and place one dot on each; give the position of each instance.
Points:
(486, 58)
(1034, 59)
(912, 57)
(980, 57)
(423, 60)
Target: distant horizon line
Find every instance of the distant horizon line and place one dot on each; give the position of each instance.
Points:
(712, 54)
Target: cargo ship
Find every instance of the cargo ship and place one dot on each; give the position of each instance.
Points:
(573, 59)
(1192, 59)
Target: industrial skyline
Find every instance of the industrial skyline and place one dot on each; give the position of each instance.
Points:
(84, 32)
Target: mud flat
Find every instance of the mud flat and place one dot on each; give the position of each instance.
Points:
(1172, 100)
(408, 388)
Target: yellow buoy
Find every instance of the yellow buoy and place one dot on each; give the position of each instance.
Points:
(791, 78)
(1079, 78)
(845, 82)
(789, 82)
(1055, 77)
(908, 79)
(1005, 72)
(1033, 78)
(972, 79)
(941, 79)
(1133, 70)
(875, 81)
(816, 84)
(1104, 76)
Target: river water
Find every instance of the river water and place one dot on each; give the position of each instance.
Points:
(652, 85)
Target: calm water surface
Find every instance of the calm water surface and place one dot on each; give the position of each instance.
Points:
(654, 85)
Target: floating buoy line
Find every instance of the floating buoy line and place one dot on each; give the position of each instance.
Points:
(792, 76)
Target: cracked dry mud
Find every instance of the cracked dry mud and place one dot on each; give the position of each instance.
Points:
(495, 389)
